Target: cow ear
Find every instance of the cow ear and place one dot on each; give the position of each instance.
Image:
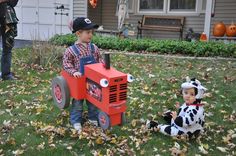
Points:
(187, 79)
(193, 79)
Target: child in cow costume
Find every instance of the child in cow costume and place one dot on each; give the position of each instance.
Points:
(190, 118)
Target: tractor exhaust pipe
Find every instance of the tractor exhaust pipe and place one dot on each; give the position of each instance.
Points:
(107, 61)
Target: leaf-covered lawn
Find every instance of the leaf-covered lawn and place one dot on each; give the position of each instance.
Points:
(30, 124)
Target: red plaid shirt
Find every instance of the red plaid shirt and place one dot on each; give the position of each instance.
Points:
(71, 61)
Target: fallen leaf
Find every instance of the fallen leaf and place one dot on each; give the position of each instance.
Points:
(69, 148)
(41, 146)
(233, 136)
(151, 75)
(222, 149)
(99, 140)
(202, 150)
(18, 152)
(11, 141)
(133, 122)
(113, 140)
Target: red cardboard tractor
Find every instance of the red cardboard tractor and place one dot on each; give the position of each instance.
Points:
(102, 85)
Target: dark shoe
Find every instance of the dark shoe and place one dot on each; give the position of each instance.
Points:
(167, 116)
(151, 124)
(8, 77)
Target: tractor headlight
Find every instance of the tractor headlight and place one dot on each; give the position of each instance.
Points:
(130, 78)
(104, 82)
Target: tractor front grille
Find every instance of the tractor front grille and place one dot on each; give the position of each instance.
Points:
(123, 86)
(122, 96)
(113, 98)
(118, 93)
(113, 88)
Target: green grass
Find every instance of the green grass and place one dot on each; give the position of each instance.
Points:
(27, 103)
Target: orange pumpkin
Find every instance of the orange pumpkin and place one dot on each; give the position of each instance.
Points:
(93, 3)
(231, 30)
(219, 29)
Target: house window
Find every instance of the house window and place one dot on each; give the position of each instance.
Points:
(203, 5)
(151, 5)
(131, 5)
(182, 5)
(171, 7)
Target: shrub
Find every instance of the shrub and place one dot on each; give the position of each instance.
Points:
(45, 54)
(157, 46)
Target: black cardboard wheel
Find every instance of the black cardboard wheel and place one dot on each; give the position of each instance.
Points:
(123, 119)
(60, 92)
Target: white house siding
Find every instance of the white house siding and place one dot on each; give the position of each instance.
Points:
(80, 8)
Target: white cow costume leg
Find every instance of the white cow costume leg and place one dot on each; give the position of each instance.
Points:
(190, 117)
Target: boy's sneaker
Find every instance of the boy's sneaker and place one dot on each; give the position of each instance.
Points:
(93, 122)
(78, 127)
(151, 124)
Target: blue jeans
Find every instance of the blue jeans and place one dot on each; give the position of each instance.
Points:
(77, 110)
(7, 45)
(6, 62)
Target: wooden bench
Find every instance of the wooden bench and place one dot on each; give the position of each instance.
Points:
(161, 23)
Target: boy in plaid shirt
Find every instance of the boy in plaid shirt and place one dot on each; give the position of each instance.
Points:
(75, 57)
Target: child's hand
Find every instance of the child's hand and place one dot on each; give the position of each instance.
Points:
(77, 74)
(174, 115)
(177, 105)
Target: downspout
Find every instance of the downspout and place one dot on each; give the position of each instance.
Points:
(207, 24)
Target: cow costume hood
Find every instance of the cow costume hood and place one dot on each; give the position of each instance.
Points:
(194, 83)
